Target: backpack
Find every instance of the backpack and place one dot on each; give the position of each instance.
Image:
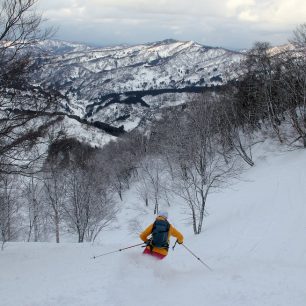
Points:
(160, 234)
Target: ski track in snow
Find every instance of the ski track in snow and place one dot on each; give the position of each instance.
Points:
(253, 238)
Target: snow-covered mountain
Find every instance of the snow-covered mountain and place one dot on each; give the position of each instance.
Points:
(122, 85)
(58, 47)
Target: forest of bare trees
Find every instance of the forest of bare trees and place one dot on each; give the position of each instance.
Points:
(191, 151)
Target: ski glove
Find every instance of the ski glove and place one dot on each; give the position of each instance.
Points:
(148, 242)
(180, 242)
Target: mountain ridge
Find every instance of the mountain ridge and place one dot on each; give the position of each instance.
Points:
(138, 75)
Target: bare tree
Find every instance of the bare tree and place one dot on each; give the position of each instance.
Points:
(54, 191)
(33, 196)
(89, 206)
(152, 172)
(9, 208)
(143, 188)
(104, 211)
(22, 105)
(292, 90)
(152, 181)
(235, 136)
(299, 36)
(199, 168)
(257, 88)
(120, 160)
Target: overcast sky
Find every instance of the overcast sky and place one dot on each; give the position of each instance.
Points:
(233, 24)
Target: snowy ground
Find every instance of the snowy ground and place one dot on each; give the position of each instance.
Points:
(254, 239)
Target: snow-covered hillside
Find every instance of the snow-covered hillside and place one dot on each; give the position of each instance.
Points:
(95, 72)
(122, 84)
(60, 47)
(254, 240)
(87, 134)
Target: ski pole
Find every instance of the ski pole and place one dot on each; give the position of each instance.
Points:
(174, 245)
(129, 247)
(198, 258)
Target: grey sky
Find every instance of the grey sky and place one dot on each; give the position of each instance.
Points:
(228, 23)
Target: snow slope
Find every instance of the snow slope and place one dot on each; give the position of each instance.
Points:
(254, 239)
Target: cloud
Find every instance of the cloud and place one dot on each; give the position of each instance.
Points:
(229, 23)
(235, 5)
(285, 12)
(247, 15)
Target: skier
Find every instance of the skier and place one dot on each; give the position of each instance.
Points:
(160, 231)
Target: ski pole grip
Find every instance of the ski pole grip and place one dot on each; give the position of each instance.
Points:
(174, 245)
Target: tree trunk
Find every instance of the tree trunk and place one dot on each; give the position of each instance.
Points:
(194, 221)
(201, 218)
(35, 221)
(81, 236)
(57, 231)
(156, 206)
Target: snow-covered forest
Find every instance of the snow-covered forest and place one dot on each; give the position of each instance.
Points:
(228, 165)
(253, 240)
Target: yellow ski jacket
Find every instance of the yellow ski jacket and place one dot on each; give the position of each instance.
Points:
(172, 232)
